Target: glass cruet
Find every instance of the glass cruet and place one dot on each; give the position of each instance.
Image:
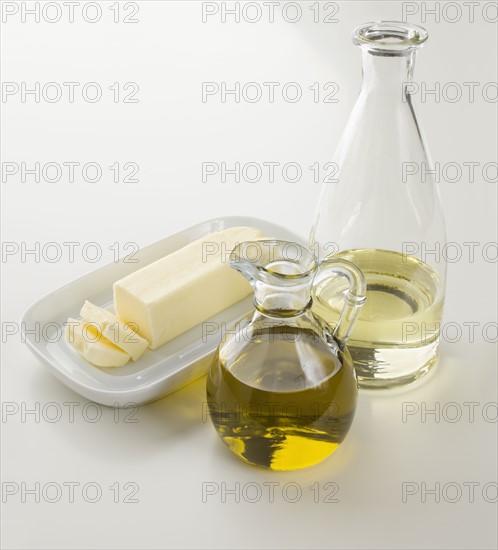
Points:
(383, 214)
(282, 388)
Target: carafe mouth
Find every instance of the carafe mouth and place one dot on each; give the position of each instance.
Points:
(283, 261)
(281, 274)
(390, 38)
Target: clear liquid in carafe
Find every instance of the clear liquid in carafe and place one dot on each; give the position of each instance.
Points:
(396, 336)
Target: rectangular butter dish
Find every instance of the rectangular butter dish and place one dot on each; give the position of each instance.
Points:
(157, 372)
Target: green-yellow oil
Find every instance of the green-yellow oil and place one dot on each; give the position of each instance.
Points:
(285, 402)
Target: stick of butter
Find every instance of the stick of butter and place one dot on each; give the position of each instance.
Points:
(183, 289)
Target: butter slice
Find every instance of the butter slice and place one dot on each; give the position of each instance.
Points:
(183, 289)
(119, 334)
(95, 348)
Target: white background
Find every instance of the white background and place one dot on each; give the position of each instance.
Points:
(170, 452)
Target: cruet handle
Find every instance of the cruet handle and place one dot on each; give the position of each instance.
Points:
(354, 298)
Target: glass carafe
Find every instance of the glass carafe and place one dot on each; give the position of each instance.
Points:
(383, 214)
(282, 388)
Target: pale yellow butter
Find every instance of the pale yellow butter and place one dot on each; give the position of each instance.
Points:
(95, 348)
(183, 289)
(119, 334)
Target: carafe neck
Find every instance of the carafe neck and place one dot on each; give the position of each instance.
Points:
(278, 301)
(386, 75)
(388, 49)
(281, 274)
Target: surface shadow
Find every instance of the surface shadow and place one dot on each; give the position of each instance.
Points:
(124, 431)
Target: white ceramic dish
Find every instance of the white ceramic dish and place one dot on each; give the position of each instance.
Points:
(157, 372)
